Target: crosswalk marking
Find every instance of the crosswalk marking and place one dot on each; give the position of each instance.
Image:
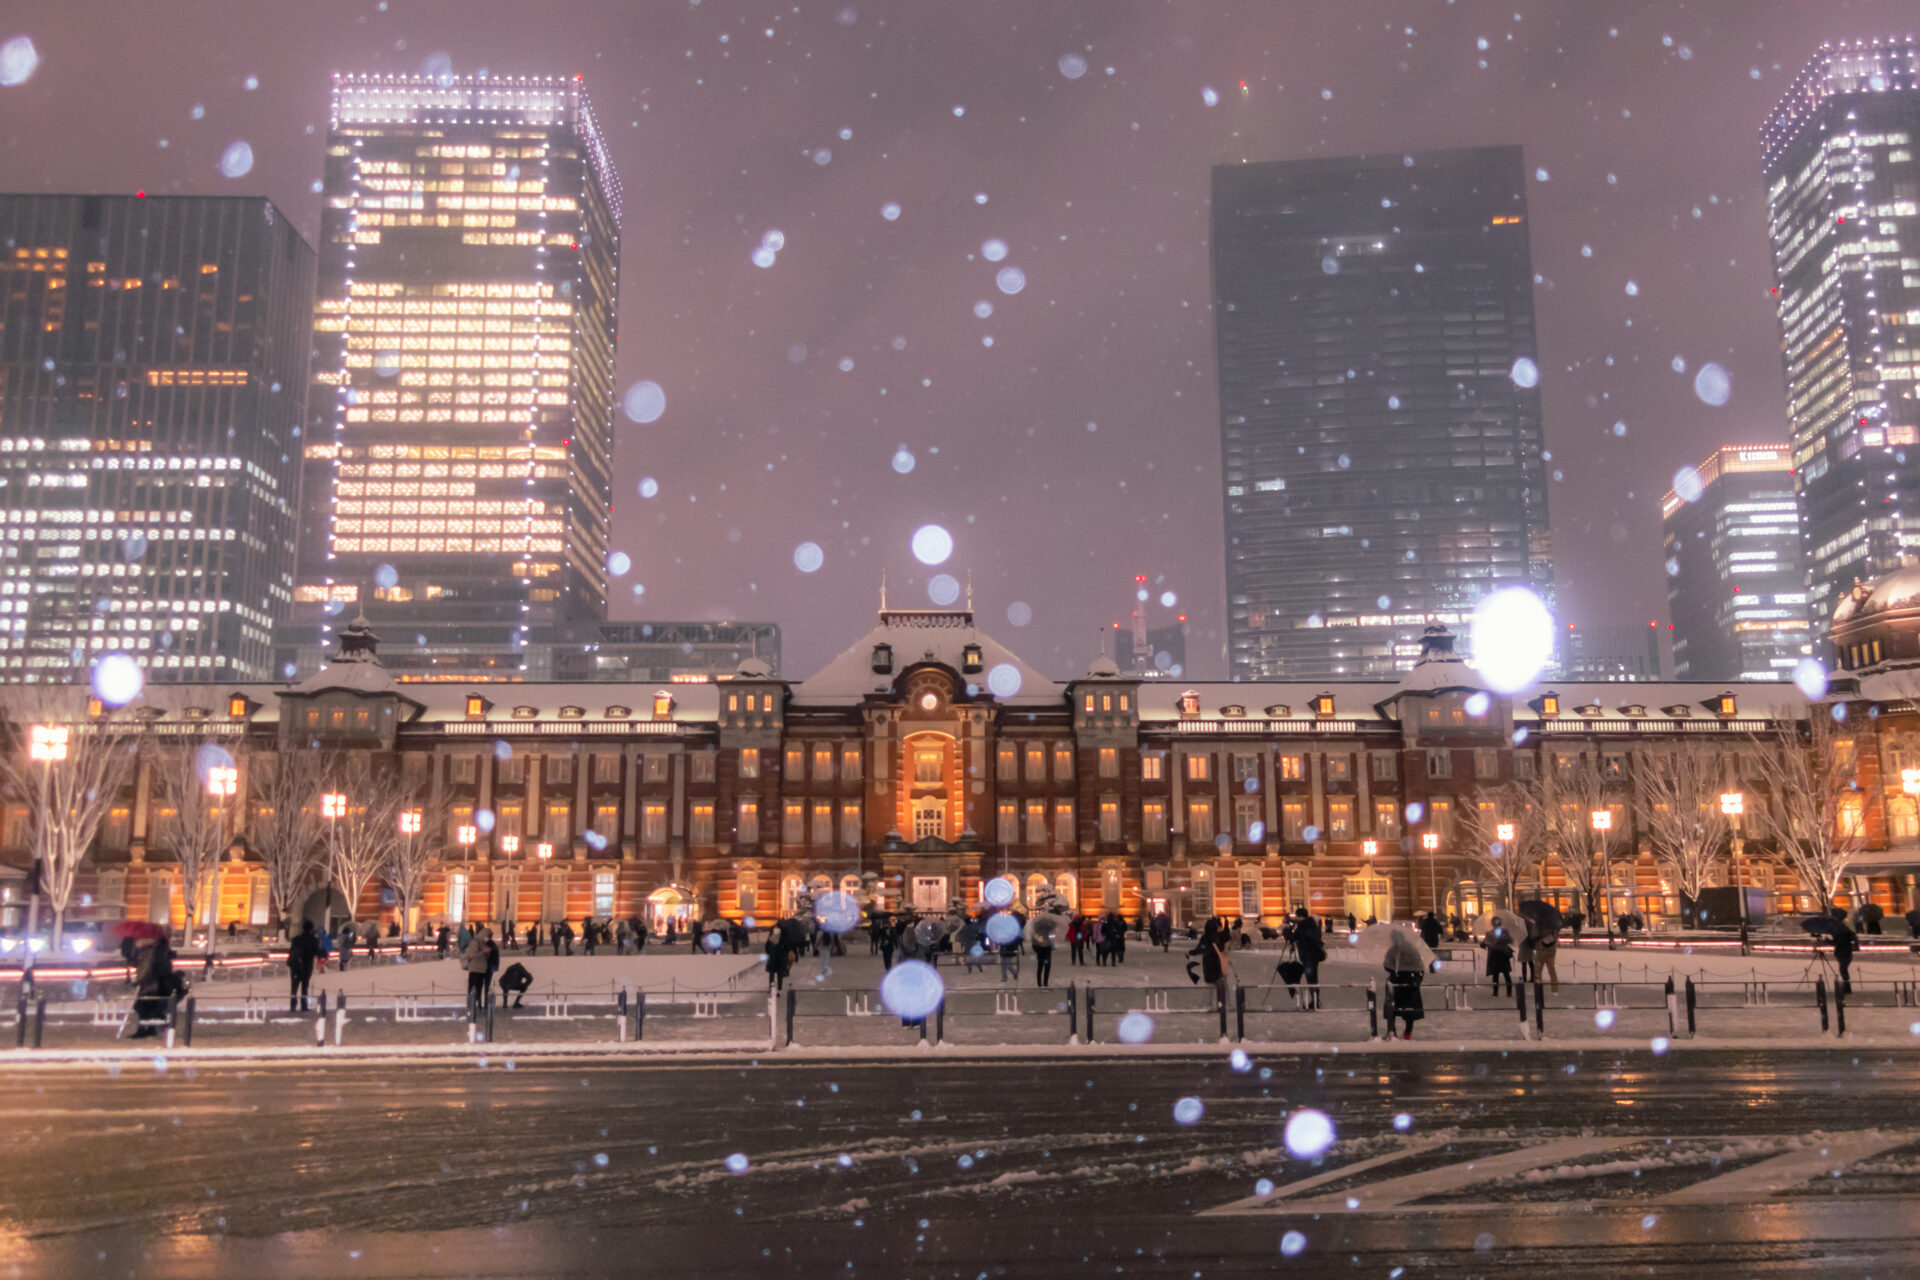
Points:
(1789, 1169)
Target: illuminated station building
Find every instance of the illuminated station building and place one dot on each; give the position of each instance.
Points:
(456, 482)
(926, 759)
(1843, 191)
(153, 386)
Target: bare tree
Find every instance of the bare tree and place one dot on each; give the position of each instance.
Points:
(361, 840)
(1570, 797)
(67, 797)
(421, 842)
(197, 832)
(1681, 785)
(1507, 841)
(1814, 812)
(285, 827)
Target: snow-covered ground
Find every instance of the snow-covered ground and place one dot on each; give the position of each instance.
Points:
(578, 974)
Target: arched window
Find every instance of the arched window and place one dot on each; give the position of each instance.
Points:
(1038, 891)
(1067, 885)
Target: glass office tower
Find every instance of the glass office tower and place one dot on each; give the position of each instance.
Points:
(457, 476)
(1843, 193)
(153, 384)
(1379, 404)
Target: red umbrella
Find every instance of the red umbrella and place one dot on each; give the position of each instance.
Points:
(138, 929)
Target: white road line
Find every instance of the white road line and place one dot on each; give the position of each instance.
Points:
(1789, 1169)
(1252, 1203)
(1395, 1192)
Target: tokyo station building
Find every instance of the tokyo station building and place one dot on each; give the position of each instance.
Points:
(927, 758)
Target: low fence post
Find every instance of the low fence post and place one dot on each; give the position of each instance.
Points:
(1673, 1009)
(1539, 1010)
(1073, 1013)
(323, 1004)
(1220, 1002)
(1239, 1012)
(489, 1012)
(173, 1017)
(40, 1020)
(1820, 999)
(473, 1017)
(940, 1022)
(1373, 1012)
(1692, 1002)
(320, 1031)
(793, 998)
(1840, 1008)
(639, 1016)
(186, 1035)
(1090, 1013)
(340, 1019)
(1520, 1003)
(20, 1020)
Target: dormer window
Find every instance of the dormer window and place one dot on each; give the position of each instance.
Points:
(477, 707)
(1323, 705)
(1233, 711)
(619, 713)
(1678, 710)
(662, 705)
(1189, 703)
(525, 713)
(1632, 709)
(572, 713)
(1587, 709)
(1547, 705)
(240, 706)
(1721, 704)
(1279, 711)
(883, 659)
(95, 708)
(195, 713)
(971, 659)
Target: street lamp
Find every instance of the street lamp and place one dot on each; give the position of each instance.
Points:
(509, 845)
(223, 783)
(1431, 843)
(1504, 833)
(47, 745)
(410, 822)
(333, 805)
(1370, 847)
(1733, 804)
(543, 850)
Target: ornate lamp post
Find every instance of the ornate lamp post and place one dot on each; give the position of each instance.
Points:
(1431, 843)
(1733, 804)
(46, 745)
(1602, 822)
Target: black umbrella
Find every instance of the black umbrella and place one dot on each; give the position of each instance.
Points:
(1872, 911)
(793, 931)
(1817, 925)
(1542, 917)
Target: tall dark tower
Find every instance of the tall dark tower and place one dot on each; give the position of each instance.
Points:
(1843, 194)
(153, 383)
(457, 473)
(1379, 404)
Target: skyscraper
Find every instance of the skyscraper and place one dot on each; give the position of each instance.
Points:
(457, 474)
(1379, 404)
(1736, 582)
(153, 382)
(1844, 199)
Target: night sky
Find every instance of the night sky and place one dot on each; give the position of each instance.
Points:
(1081, 446)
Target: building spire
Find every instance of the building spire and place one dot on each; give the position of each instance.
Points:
(883, 591)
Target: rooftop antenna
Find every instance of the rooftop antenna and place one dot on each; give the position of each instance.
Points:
(883, 591)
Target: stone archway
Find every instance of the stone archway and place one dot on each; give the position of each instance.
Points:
(324, 906)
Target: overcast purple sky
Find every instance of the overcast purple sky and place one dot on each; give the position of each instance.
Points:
(1081, 446)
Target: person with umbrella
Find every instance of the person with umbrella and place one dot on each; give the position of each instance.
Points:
(1845, 943)
(156, 984)
(1308, 946)
(1405, 971)
(1543, 930)
(1499, 949)
(1871, 914)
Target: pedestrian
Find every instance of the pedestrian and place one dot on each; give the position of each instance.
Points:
(1527, 951)
(347, 938)
(1845, 943)
(590, 934)
(1215, 965)
(474, 958)
(1547, 959)
(1309, 946)
(326, 947)
(889, 938)
(155, 985)
(1352, 924)
(1010, 961)
(1163, 923)
(1430, 929)
(779, 958)
(565, 932)
(1404, 975)
(301, 954)
(1117, 937)
(464, 937)
(1499, 949)
(1574, 920)
(442, 940)
(639, 935)
(1913, 927)
(673, 931)
(373, 937)
(1042, 957)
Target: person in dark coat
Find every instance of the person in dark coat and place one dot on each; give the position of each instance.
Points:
(442, 940)
(1845, 943)
(156, 985)
(1405, 972)
(779, 960)
(889, 935)
(639, 935)
(563, 934)
(1430, 929)
(1308, 944)
(1042, 957)
(302, 952)
(1499, 948)
(1913, 927)
(348, 936)
(1212, 950)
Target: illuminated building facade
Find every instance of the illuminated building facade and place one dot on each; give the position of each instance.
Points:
(457, 476)
(1736, 580)
(1843, 191)
(153, 383)
(1380, 413)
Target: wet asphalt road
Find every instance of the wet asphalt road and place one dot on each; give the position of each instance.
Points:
(954, 1168)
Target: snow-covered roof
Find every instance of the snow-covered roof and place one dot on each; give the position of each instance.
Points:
(1897, 590)
(1352, 700)
(928, 635)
